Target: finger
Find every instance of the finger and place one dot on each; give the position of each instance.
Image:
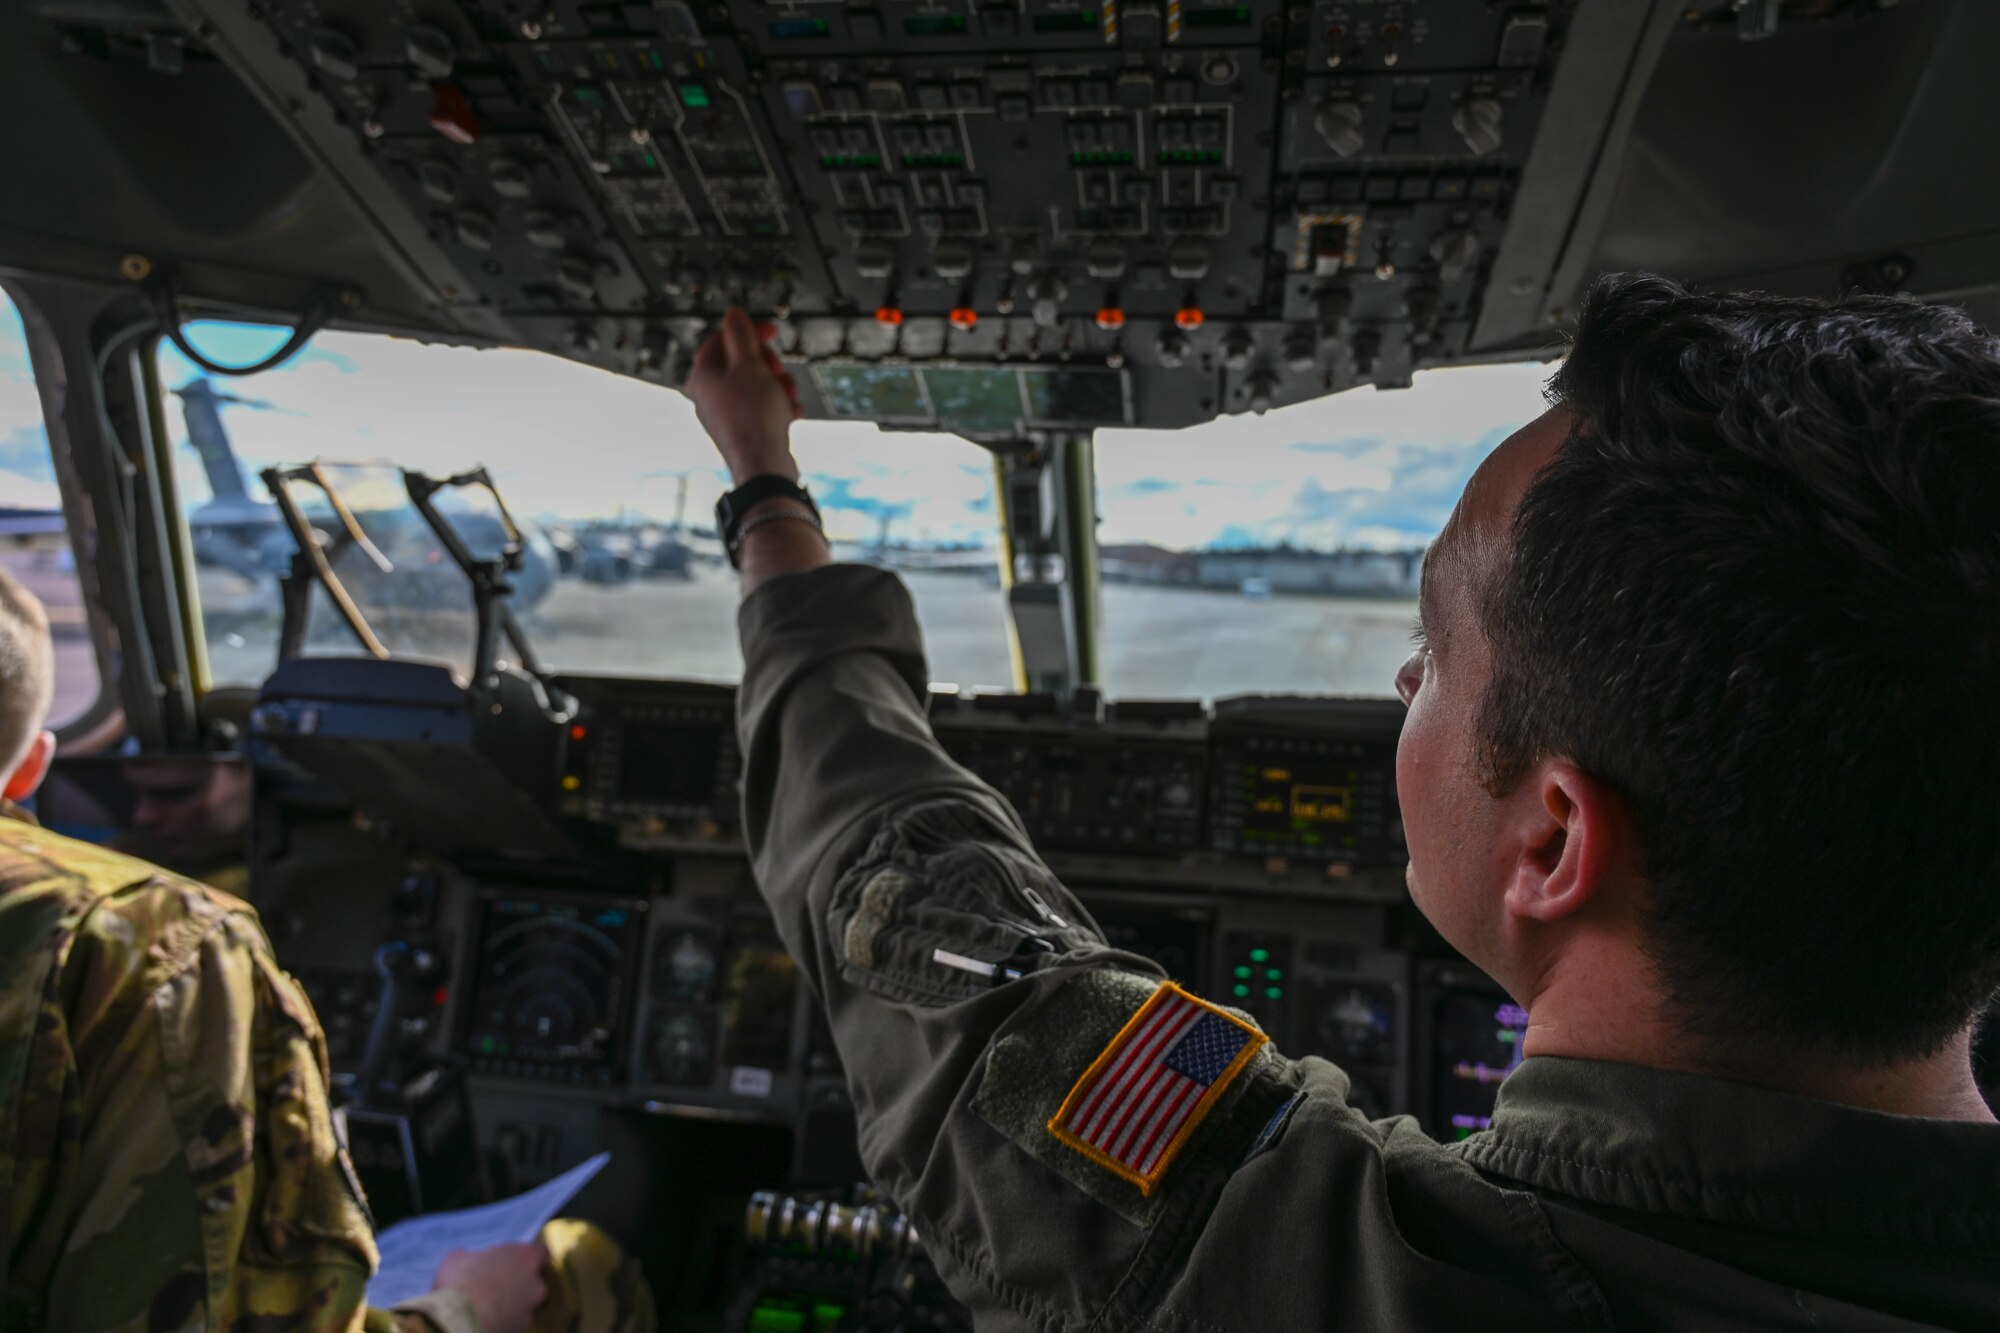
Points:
(766, 330)
(739, 337)
(711, 357)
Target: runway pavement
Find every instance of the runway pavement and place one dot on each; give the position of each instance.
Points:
(1159, 642)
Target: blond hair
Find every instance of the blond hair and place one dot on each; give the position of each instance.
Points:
(27, 669)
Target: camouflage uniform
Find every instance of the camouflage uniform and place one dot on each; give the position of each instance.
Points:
(167, 1153)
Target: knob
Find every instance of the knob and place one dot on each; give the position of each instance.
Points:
(1046, 293)
(874, 258)
(889, 316)
(952, 258)
(1111, 318)
(1455, 252)
(509, 178)
(1187, 258)
(544, 231)
(1263, 390)
(963, 318)
(583, 339)
(1422, 307)
(475, 230)
(1339, 123)
(430, 50)
(1237, 348)
(334, 53)
(1024, 255)
(1171, 348)
(1188, 317)
(1301, 348)
(1477, 121)
(1106, 259)
(437, 181)
(578, 278)
(1367, 345)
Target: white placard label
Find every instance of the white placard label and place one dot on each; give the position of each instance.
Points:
(747, 1082)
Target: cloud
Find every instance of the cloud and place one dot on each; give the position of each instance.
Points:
(1146, 486)
(1367, 468)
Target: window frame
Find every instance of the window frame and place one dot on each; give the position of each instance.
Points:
(102, 723)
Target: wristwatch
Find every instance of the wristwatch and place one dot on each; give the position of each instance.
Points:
(731, 508)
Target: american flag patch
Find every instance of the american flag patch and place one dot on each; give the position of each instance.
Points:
(1141, 1099)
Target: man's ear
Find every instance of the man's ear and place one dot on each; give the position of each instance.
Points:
(1571, 835)
(34, 766)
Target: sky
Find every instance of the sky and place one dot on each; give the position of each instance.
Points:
(565, 441)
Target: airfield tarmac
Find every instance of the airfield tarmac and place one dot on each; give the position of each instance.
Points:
(1159, 642)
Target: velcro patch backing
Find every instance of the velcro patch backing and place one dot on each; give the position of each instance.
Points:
(1137, 1104)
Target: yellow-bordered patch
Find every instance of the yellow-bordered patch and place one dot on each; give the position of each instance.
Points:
(1134, 1108)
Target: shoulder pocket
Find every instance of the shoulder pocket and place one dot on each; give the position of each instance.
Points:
(946, 877)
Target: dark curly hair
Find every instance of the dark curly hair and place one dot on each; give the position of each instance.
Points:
(1757, 593)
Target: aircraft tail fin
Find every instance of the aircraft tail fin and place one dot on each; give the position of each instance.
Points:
(200, 409)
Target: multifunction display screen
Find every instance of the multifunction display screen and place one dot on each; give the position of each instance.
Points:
(550, 987)
(1305, 797)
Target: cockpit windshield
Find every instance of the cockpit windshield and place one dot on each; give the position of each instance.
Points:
(1280, 553)
(1274, 553)
(612, 482)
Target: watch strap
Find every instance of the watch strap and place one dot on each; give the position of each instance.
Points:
(732, 507)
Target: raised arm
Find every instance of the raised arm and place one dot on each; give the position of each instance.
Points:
(967, 988)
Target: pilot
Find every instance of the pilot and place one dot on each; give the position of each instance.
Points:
(1701, 763)
(167, 1154)
(190, 818)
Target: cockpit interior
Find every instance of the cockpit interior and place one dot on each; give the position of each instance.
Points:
(1149, 340)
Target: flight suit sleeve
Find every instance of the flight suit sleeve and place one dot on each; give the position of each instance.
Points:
(209, 1186)
(876, 851)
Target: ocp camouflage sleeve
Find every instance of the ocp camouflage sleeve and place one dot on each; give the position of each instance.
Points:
(167, 1157)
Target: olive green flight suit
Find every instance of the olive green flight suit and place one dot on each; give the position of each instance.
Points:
(167, 1153)
(1604, 1196)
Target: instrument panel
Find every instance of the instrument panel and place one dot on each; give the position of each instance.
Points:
(1276, 786)
(552, 986)
(988, 217)
(632, 989)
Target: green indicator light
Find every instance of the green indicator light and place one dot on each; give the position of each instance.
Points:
(694, 95)
(1260, 955)
(1273, 974)
(1274, 993)
(1240, 991)
(772, 1319)
(1243, 972)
